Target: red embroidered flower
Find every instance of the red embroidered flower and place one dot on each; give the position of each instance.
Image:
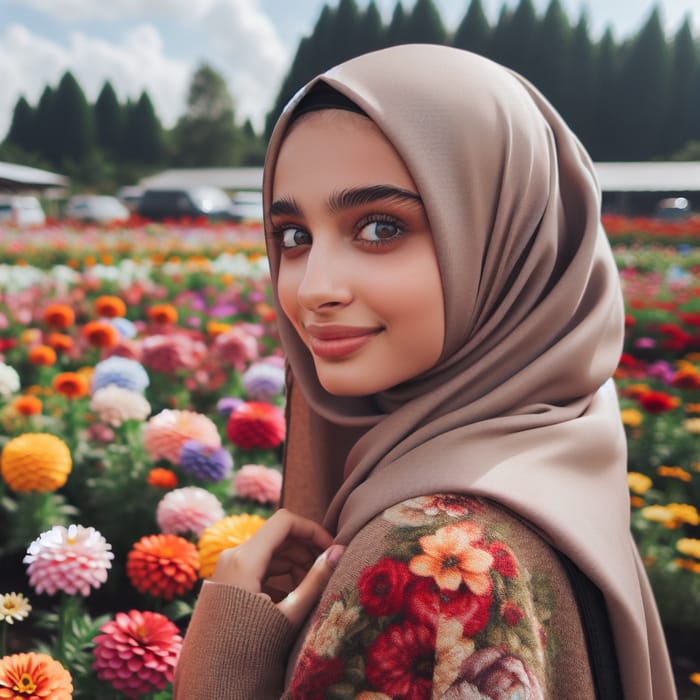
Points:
(503, 560)
(401, 661)
(426, 604)
(383, 586)
(511, 613)
(313, 674)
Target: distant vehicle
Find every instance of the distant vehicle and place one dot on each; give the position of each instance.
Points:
(21, 210)
(195, 202)
(95, 209)
(247, 206)
(130, 196)
(673, 209)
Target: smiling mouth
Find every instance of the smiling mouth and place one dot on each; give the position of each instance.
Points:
(336, 345)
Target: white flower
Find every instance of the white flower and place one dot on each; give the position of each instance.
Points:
(189, 509)
(114, 405)
(9, 380)
(13, 606)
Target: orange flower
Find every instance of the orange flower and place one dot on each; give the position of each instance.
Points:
(43, 355)
(687, 377)
(109, 306)
(692, 407)
(27, 405)
(636, 502)
(35, 462)
(32, 675)
(163, 565)
(674, 473)
(688, 565)
(60, 341)
(450, 558)
(100, 334)
(162, 478)
(223, 534)
(215, 328)
(72, 385)
(163, 313)
(59, 316)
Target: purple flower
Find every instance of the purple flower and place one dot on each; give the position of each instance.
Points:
(128, 374)
(263, 381)
(205, 462)
(228, 404)
(123, 326)
(662, 370)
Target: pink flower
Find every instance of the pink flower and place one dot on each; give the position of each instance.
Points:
(258, 483)
(137, 652)
(189, 509)
(166, 433)
(72, 560)
(236, 348)
(169, 353)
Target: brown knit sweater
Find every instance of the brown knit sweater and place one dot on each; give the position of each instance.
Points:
(439, 597)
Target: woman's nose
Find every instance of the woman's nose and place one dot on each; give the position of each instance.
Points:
(325, 282)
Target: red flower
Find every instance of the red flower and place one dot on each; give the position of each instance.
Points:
(655, 402)
(629, 320)
(401, 661)
(383, 586)
(511, 613)
(313, 674)
(256, 424)
(426, 603)
(503, 560)
(686, 378)
(692, 319)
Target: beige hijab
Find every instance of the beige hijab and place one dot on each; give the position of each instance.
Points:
(519, 408)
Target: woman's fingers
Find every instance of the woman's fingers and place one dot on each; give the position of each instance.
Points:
(299, 603)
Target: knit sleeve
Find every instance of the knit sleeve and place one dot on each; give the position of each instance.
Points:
(236, 647)
(445, 597)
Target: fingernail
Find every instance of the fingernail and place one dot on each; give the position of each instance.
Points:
(333, 554)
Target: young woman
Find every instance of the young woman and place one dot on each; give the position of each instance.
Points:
(452, 316)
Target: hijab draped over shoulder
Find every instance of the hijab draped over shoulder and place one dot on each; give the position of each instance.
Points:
(520, 407)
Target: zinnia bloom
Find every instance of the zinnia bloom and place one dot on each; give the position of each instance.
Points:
(163, 565)
(59, 316)
(28, 405)
(236, 348)
(263, 381)
(42, 355)
(189, 509)
(115, 405)
(256, 425)
(169, 430)
(205, 462)
(34, 676)
(35, 462)
(72, 385)
(162, 478)
(655, 402)
(126, 373)
(631, 417)
(169, 353)
(258, 483)
(72, 560)
(109, 306)
(137, 652)
(223, 534)
(638, 483)
(13, 608)
(163, 313)
(674, 473)
(9, 380)
(689, 546)
(100, 334)
(692, 425)
(60, 341)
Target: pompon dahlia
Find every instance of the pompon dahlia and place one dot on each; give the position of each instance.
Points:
(205, 462)
(223, 534)
(163, 565)
(263, 381)
(258, 483)
(34, 676)
(128, 374)
(189, 509)
(167, 431)
(256, 424)
(72, 560)
(169, 353)
(35, 462)
(236, 347)
(115, 405)
(136, 652)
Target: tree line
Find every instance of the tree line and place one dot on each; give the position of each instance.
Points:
(638, 99)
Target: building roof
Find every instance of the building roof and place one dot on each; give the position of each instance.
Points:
(225, 178)
(15, 177)
(649, 177)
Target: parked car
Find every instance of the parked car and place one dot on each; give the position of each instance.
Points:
(195, 202)
(673, 209)
(247, 206)
(95, 208)
(21, 210)
(130, 196)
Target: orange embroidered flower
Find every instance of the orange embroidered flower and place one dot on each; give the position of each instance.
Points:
(59, 316)
(43, 355)
(100, 334)
(450, 558)
(163, 565)
(32, 675)
(223, 534)
(27, 405)
(35, 462)
(163, 313)
(59, 341)
(109, 306)
(73, 385)
(162, 478)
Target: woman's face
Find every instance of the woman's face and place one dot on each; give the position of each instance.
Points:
(358, 276)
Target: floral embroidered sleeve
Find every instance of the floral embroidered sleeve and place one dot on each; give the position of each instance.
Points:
(445, 597)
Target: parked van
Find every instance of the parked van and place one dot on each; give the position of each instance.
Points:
(21, 210)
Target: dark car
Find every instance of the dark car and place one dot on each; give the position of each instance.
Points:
(195, 202)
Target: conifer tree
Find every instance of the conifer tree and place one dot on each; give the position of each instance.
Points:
(607, 118)
(22, 130)
(143, 134)
(394, 34)
(109, 121)
(579, 88)
(552, 55)
(73, 123)
(46, 134)
(424, 25)
(370, 30)
(473, 32)
(519, 38)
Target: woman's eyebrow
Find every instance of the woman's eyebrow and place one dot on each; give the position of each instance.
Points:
(357, 196)
(285, 206)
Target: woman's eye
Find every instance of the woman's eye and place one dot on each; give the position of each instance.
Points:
(293, 237)
(376, 231)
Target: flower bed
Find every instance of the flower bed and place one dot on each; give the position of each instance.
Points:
(141, 397)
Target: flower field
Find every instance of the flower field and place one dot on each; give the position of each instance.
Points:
(141, 429)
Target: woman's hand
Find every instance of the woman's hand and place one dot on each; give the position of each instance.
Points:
(283, 557)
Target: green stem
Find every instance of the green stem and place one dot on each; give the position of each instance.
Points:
(64, 611)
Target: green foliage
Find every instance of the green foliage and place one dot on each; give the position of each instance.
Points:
(109, 121)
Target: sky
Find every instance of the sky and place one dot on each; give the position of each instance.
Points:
(157, 45)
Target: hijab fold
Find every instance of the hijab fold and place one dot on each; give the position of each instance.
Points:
(520, 407)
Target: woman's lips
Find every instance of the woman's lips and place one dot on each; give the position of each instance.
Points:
(337, 342)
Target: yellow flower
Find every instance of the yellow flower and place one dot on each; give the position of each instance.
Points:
(223, 534)
(674, 473)
(13, 606)
(35, 462)
(684, 513)
(695, 678)
(689, 546)
(658, 514)
(631, 417)
(638, 483)
(692, 425)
